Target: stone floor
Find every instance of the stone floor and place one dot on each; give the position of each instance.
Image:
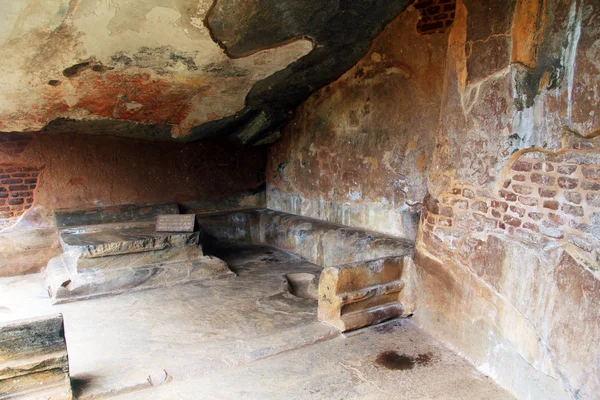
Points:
(242, 338)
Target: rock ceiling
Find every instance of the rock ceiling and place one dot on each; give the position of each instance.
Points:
(175, 69)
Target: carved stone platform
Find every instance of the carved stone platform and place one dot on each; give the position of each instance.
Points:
(124, 256)
(367, 277)
(33, 359)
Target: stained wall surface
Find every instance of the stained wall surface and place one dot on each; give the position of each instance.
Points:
(506, 166)
(357, 152)
(44, 172)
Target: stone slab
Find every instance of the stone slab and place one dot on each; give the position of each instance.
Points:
(33, 359)
(112, 214)
(65, 285)
(115, 239)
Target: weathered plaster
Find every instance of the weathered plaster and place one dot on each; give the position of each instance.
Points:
(358, 151)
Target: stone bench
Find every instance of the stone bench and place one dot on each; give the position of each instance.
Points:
(33, 359)
(113, 250)
(367, 277)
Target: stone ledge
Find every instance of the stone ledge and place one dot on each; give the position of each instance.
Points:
(35, 362)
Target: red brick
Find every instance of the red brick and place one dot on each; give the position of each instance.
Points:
(518, 210)
(499, 205)
(589, 185)
(592, 173)
(548, 193)
(522, 166)
(543, 166)
(576, 211)
(535, 216)
(14, 202)
(21, 194)
(531, 227)
(543, 180)
(11, 181)
(567, 183)
(18, 187)
(528, 201)
(556, 219)
(516, 222)
(573, 197)
(506, 183)
(551, 204)
(480, 206)
(566, 169)
(496, 213)
(593, 199)
(522, 189)
(508, 196)
(519, 177)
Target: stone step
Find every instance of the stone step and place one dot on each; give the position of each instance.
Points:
(33, 359)
(123, 274)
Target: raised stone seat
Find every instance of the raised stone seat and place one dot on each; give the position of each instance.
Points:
(33, 359)
(367, 276)
(116, 250)
(122, 238)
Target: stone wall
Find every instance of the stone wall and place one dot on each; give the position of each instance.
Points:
(73, 171)
(357, 152)
(507, 253)
(17, 186)
(506, 167)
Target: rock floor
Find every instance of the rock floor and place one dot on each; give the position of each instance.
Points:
(242, 338)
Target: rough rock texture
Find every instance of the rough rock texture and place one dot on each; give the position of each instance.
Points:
(511, 228)
(194, 68)
(33, 359)
(80, 172)
(507, 250)
(358, 151)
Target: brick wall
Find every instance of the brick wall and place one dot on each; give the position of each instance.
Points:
(543, 198)
(436, 15)
(17, 189)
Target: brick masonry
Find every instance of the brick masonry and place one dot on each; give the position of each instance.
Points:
(17, 190)
(436, 15)
(542, 198)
